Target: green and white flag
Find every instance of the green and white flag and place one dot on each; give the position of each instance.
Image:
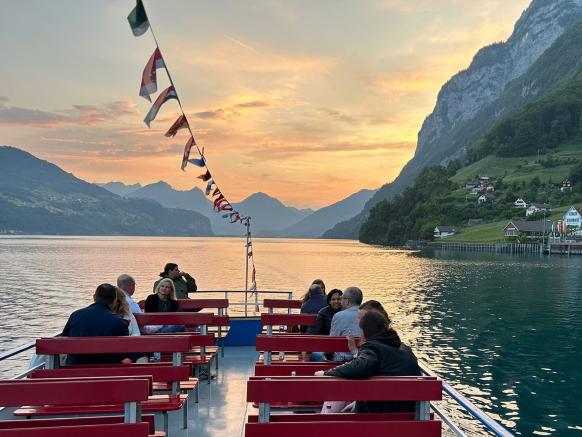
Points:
(138, 19)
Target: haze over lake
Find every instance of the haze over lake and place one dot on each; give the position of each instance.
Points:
(504, 330)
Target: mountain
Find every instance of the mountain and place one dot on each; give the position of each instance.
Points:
(120, 188)
(314, 225)
(473, 99)
(162, 192)
(269, 214)
(37, 197)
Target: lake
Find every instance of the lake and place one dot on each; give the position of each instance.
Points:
(504, 330)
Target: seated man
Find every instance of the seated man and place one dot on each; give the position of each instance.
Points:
(94, 321)
(346, 321)
(127, 284)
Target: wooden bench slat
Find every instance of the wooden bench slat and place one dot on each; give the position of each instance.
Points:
(109, 430)
(268, 319)
(158, 373)
(202, 303)
(97, 345)
(75, 421)
(426, 428)
(186, 319)
(301, 343)
(282, 303)
(335, 417)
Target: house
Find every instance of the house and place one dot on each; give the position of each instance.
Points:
(469, 185)
(484, 198)
(489, 188)
(529, 229)
(573, 217)
(538, 207)
(473, 222)
(565, 186)
(444, 231)
(476, 190)
(485, 178)
(520, 203)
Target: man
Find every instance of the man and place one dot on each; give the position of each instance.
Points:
(97, 320)
(183, 282)
(346, 321)
(127, 284)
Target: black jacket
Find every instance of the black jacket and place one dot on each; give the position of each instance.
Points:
(96, 320)
(152, 304)
(384, 355)
(323, 323)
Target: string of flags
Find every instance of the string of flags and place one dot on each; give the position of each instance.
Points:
(139, 23)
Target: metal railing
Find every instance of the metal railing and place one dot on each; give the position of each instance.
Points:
(251, 298)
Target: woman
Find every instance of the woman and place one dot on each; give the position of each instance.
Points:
(324, 316)
(319, 282)
(122, 310)
(163, 301)
(381, 353)
(315, 302)
(183, 282)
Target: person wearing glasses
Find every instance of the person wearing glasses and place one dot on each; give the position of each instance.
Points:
(346, 322)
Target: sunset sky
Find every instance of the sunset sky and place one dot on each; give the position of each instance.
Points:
(308, 101)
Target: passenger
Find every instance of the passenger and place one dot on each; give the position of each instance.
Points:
(127, 284)
(163, 301)
(121, 308)
(314, 303)
(372, 305)
(381, 353)
(345, 322)
(324, 316)
(97, 320)
(319, 282)
(183, 282)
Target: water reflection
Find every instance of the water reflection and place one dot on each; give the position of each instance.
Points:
(504, 330)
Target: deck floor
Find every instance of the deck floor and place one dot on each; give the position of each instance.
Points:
(222, 409)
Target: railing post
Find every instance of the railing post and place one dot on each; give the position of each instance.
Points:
(422, 411)
(53, 361)
(177, 360)
(264, 412)
(131, 412)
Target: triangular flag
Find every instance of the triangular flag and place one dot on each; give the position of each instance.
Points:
(209, 187)
(197, 162)
(180, 123)
(219, 199)
(253, 280)
(206, 176)
(216, 191)
(226, 207)
(191, 142)
(149, 82)
(138, 19)
(167, 94)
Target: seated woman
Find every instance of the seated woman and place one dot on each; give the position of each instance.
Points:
(315, 302)
(324, 316)
(163, 301)
(381, 354)
(122, 310)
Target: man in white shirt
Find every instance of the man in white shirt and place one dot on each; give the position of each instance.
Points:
(346, 322)
(127, 284)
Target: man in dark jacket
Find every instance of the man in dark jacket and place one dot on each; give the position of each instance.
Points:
(382, 354)
(97, 320)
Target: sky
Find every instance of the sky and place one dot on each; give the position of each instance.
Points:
(308, 101)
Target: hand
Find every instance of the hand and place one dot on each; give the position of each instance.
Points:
(183, 273)
(352, 343)
(318, 373)
(126, 361)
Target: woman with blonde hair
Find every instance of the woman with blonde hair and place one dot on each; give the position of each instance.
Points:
(163, 301)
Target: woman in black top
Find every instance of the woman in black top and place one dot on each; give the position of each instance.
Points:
(163, 301)
(324, 316)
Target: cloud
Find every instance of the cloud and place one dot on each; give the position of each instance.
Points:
(230, 112)
(3, 99)
(83, 115)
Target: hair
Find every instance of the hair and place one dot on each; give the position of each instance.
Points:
(320, 283)
(376, 306)
(315, 289)
(167, 268)
(105, 294)
(373, 323)
(354, 294)
(124, 281)
(331, 293)
(167, 281)
(121, 307)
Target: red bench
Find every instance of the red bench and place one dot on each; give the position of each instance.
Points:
(267, 390)
(287, 304)
(109, 430)
(289, 320)
(150, 419)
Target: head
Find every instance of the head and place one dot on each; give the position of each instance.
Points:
(352, 297)
(165, 289)
(121, 306)
(315, 289)
(105, 294)
(320, 283)
(373, 323)
(126, 283)
(373, 305)
(171, 271)
(334, 299)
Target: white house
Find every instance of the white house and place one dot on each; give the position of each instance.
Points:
(483, 198)
(566, 186)
(520, 203)
(444, 231)
(538, 207)
(573, 217)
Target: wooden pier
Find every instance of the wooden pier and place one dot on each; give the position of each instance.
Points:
(560, 248)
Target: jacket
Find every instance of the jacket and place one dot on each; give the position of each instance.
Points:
(383, 355)
(323, 323)
(152, 304)
(96, 320)
(183, 285)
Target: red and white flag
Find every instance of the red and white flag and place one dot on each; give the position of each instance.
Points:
(167, 94)
(180, 123)
(191, 142)
(149, 82)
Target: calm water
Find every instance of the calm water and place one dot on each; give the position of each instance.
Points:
(506, 331)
